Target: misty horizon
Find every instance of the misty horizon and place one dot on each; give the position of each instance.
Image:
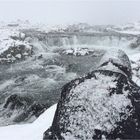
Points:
(69, 12)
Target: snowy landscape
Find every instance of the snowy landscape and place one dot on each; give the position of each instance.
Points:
(37, 60)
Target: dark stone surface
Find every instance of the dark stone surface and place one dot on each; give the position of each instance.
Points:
(24, 107)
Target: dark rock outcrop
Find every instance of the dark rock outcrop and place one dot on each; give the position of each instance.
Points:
(102, 105)
(14, 102)
(35, 110)
(24, 107)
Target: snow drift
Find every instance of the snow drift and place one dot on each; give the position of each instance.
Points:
(33, 131)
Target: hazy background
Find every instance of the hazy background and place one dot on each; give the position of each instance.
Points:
(71, 11)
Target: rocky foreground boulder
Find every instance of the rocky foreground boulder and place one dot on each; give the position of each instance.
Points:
(105, 104)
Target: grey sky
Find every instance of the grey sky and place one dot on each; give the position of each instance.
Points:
(70, 11)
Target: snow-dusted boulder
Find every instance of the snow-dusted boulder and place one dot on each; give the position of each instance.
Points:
(13, 46)
(102, 105)
(13, 50)
(117, 61)
(78, 51)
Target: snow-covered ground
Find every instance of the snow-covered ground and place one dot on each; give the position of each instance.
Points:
(33, 131)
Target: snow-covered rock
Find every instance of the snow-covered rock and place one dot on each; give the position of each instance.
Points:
(102, 105)
(13, 51)
(110, 61)
(135, 63)
(132, 28)
(12, 45)
(78, 51)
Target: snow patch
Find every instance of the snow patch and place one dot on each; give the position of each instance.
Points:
(102, 109)
(33, 131)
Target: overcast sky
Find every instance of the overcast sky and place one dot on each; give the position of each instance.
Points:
(70, 11)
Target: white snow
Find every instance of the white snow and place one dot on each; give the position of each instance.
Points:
(101, 110)
(33, 131)
(129, 28)
(11, 37)
(78, 51)
(116, 56)
(130, 32)
(135, 58)
(18, 56)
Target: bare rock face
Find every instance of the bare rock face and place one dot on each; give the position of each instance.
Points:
(102, 105)
(19, 109)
